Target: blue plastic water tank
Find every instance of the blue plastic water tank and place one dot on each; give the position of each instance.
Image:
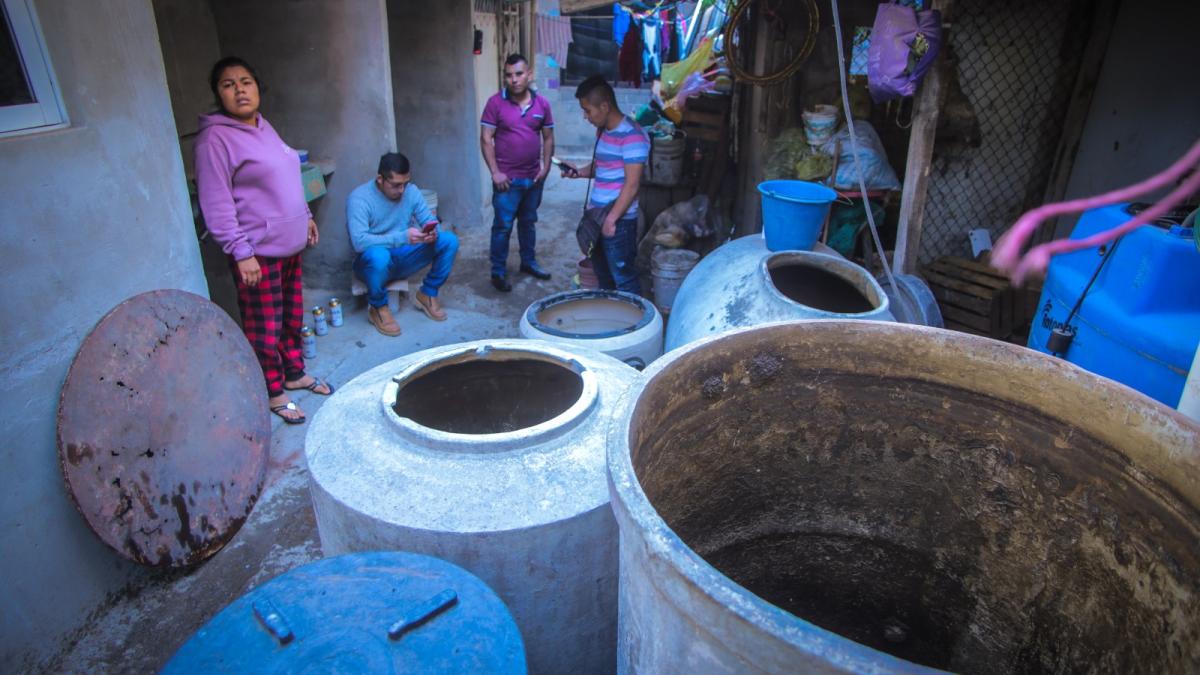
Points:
(1140, 322)
(361, 613)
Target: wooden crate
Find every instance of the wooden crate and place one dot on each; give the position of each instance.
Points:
(706, 117)
(974, 298)
(706, 125)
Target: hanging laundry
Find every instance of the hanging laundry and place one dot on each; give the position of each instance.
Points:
(553, 36)
(629, 60)
(664, 35)
(683, 14)
(621, 21)
(651, 42)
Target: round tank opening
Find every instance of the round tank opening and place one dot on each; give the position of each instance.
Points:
(488, 396)
(591, 315)
(944, 526)
(807, 282)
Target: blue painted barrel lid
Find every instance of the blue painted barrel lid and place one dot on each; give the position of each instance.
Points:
(361, 613)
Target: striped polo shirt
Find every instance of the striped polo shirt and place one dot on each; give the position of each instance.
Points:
(627, 144)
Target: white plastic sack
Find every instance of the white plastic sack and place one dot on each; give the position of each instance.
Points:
(872, 160)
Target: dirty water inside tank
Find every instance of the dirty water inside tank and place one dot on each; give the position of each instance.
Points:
(820, 289)
(889, 512)
(488, 396)
(591, 316)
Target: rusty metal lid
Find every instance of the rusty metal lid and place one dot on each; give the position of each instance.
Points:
(163, 429)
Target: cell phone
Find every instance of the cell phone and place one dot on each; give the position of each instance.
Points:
(429, 227)
(564, 166)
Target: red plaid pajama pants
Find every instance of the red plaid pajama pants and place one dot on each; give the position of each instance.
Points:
(272, 314)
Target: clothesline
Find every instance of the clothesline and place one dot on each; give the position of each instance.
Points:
(662, 5)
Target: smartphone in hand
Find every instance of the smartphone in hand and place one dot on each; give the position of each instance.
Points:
(429, 227)
(567, 169)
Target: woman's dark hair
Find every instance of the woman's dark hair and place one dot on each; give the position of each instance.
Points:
(214, 77)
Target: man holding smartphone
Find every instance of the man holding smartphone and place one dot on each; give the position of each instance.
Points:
(517, 141)
(396, 235)
(622, 148)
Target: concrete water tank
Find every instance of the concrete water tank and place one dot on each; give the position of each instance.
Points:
(490, 455)
(744, 284)
(623, 325)
(868, 497)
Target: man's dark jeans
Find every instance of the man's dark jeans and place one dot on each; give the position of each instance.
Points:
(614, 258)
(520, 202)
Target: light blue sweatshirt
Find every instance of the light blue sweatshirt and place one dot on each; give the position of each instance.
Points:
(374, 220)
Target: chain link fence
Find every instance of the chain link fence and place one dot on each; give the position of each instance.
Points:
(1017, 63)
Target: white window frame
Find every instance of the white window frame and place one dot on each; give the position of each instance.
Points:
(47, 111)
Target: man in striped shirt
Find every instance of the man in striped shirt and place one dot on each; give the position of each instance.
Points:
(621, 151)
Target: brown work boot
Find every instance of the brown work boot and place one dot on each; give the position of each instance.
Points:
(429, 305)
(381, 318)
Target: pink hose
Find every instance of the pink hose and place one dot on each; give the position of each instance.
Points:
(1006, 256)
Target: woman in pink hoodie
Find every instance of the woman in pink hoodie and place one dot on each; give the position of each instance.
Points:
(253, 203)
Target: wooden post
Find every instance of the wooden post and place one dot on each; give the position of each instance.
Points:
(1103, 17)
(529, 24)
(572, 6)
(752, 149)
(926, 108)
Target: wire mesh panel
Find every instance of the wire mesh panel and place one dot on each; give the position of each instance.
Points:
(1017, 62)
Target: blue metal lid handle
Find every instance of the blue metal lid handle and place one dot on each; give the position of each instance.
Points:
(422, 613)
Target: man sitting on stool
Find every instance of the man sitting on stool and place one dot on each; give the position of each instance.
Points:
(378, 214)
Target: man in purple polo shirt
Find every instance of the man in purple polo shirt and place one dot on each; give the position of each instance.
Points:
(517, 140)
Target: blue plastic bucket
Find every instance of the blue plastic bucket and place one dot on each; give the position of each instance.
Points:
(793, 212)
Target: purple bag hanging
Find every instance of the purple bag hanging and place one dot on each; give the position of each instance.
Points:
(894, 64)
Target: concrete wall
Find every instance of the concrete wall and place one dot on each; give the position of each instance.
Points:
(1146, 109)
(437, 126)
(330, 91)
(487, 82)
(187, 33)
(92, 215)
(574, 136)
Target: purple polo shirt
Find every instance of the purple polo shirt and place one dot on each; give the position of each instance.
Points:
(518, 132)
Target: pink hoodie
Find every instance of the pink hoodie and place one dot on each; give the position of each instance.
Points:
(250, 191)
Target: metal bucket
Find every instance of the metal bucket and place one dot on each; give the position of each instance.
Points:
(870, 497)
(668, 268)
(431, 200)
(665, 166)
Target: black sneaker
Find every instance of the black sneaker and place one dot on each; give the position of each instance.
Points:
(535, 272)
(500, 283)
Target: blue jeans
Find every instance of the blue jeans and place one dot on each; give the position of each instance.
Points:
(378, 265)
(613, 260)
(520, 201)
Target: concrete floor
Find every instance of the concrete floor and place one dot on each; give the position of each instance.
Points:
(143, 626)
